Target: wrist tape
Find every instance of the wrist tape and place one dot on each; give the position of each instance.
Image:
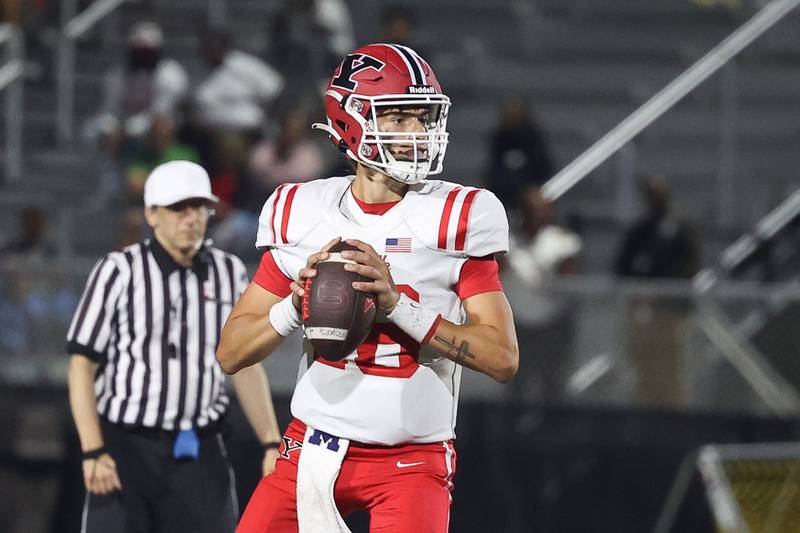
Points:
(93, 454)
(271, 445)
(284, 317)
(419, 323)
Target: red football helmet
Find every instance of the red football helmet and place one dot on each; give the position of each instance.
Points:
(380, 77)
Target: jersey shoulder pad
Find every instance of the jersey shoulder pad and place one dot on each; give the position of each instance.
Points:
(461, 220)
(294, 209)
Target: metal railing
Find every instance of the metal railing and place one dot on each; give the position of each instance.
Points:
(602, 342)
(666, 98)
(74, 26)
(779, 395)
(11, 74)
(749, 244)
(782, 398)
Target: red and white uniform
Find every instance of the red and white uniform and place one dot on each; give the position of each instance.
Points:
(405, 488)
(439, 241)
(392, 400)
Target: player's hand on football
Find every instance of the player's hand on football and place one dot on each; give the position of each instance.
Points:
(371, 265)
(100, 475)
(309, 271)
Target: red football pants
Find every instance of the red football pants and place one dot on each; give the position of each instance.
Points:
(406, 489)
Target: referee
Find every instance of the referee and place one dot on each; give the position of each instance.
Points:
(146, 392)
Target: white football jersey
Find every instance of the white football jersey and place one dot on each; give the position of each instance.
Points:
(388, 391)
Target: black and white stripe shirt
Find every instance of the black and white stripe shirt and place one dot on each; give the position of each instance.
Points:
(154, 327)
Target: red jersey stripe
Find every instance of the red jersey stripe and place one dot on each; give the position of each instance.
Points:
(275, 210)
(431, 331)
(271, 278)
(463, 219)
(477, 276)
(448, 208)
(287, 208)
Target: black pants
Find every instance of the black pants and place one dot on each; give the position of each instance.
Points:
(160, 494)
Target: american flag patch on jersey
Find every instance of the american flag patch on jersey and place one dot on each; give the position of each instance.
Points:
(398, 245)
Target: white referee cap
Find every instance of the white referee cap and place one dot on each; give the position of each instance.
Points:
(173, 182)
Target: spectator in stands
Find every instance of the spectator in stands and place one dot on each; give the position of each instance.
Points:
(658, 245)
(30, 239)
(160, 146)
(540, 251)
(28, 244)
(144, 86)
(518, 153)
(11, 11)
(230, 163)
(37, 21)
(24, 303)
(138, 160)
(15, 324)
(290, 156)
(397, 26)
(32, 307)
(237, 91)
(308, 38)
(147, 85)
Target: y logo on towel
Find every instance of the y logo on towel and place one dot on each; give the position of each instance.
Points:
(320, 438)
(290, 445)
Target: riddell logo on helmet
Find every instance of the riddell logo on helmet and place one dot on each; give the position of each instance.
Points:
(421, 89)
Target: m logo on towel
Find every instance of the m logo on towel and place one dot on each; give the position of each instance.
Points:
(320, 438)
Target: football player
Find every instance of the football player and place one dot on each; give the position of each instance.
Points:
(387, 412)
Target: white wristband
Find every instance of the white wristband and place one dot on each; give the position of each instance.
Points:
(419, 323)
(284, 317)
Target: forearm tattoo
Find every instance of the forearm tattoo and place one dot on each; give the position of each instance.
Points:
(456, 352)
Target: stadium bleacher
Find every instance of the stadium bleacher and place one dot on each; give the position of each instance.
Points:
(573, 60)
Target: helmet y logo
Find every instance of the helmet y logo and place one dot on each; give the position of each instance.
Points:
(352, 65)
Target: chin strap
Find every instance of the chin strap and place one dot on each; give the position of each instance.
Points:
(325, 128)
(337, 140)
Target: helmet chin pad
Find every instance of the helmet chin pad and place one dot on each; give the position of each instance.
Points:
(413, 175)
(409, 171)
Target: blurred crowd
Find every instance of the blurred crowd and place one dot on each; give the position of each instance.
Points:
(245, 116)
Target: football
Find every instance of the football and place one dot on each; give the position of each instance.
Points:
(336, 317)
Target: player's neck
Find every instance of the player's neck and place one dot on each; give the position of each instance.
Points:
(375, 187)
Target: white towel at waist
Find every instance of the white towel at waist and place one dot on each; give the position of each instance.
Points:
(318, 467)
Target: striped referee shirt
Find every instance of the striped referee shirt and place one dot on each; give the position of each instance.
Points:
(153, 326)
